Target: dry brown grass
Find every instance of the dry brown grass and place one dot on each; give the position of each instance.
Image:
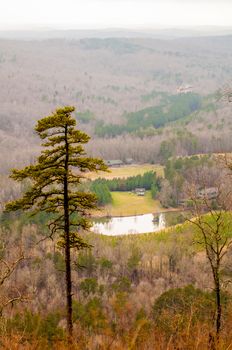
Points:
(127, 171)
(141, 337)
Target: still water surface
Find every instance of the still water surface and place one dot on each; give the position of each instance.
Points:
(130, 224)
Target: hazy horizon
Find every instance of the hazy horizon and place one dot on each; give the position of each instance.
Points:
(111, 14)
(119, 28)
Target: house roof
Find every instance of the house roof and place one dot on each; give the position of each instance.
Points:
(114, 162)
(208, 190)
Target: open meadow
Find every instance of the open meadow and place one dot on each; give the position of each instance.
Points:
(128, 203)
(128, 170)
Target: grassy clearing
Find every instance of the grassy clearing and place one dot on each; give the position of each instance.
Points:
(181, 235)
(127, 203)
(185, 236)
(130, 170)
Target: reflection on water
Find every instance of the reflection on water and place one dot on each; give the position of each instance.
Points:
(130, 224)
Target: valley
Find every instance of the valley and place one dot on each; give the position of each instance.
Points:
(115, 214)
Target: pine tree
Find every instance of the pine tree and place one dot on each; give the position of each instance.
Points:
(54, 180)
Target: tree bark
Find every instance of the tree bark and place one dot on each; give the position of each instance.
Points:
(67, 244)
(218, 307)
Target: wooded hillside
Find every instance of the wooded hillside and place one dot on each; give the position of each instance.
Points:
(113, 82)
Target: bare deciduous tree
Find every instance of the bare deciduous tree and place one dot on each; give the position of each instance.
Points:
(212, 222)
(7, 269)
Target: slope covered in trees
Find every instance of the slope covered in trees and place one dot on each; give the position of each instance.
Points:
(130, 290)
(170, 109)
(120, 82)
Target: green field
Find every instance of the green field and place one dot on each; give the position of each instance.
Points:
(127, 203)
(185, 235)
(129, 170)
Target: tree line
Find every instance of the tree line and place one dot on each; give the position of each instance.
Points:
(170, 109)
(178, 171)
(102, 187)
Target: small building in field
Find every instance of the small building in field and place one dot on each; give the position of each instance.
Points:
(208, 193)
(140, 191)
(129, 161)
(114, 163)
(184, 89)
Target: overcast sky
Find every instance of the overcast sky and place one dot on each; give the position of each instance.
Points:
(83, 14)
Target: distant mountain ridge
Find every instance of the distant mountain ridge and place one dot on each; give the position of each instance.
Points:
(165, 33)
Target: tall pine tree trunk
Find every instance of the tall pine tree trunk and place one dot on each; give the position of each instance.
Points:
(67, 244)
(53, 171)
(218, 305)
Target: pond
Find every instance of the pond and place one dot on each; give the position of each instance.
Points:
(135, 224)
